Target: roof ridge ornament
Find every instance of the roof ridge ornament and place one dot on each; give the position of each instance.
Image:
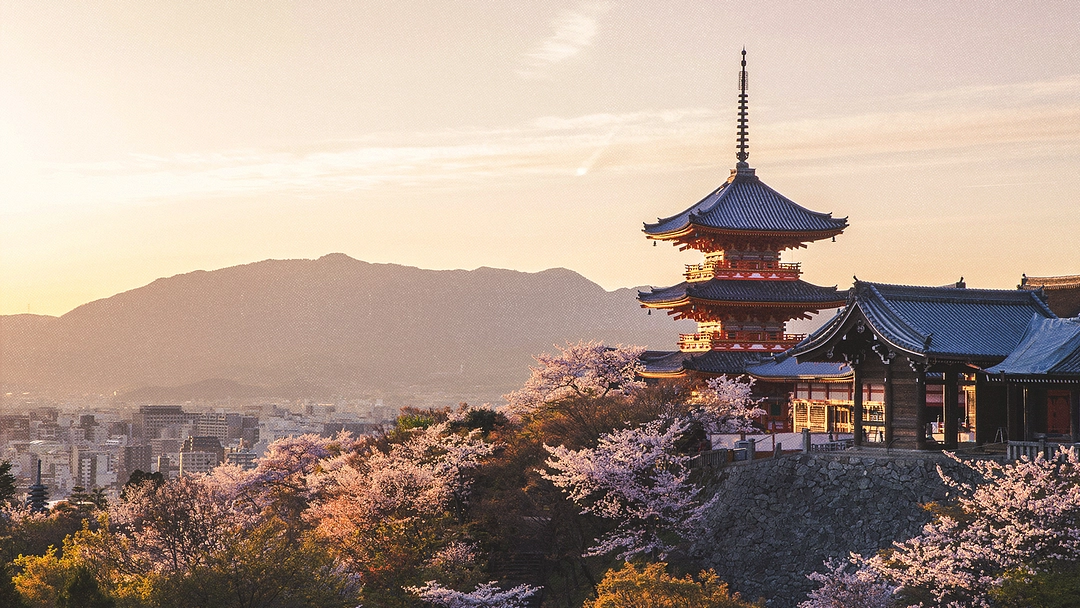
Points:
(744, 137)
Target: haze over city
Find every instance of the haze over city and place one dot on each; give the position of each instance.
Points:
(142, 140)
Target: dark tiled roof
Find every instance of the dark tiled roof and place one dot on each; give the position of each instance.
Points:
(738, 363)
(711, 362)
(663, 361)
(1050, 347)
(938, 321)
(787, 368)
(745, 203)
(736, 290)
(722, 362)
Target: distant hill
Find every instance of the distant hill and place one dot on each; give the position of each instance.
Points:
(334, 325)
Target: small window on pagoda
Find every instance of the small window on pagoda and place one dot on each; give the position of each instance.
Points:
(819, 392)
(935, 395)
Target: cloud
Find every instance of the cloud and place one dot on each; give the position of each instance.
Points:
(574, 31)
(1033, 121)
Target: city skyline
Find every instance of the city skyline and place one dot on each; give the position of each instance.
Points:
(146, 140)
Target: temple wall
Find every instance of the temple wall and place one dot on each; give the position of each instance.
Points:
(779, 519)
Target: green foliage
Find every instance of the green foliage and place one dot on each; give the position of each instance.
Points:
(652, 587)
(1057, 587)
(7, 482)
(137, 477)
(412, 418)
(263, 569)
(81, 591)
(9, 596)
(483, 419)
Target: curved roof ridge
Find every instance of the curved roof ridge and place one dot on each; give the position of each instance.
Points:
(901, 319)
(745, 203)
(689, 210)
(964, 295)
(823, 214)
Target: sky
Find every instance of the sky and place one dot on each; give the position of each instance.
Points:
(146, 139)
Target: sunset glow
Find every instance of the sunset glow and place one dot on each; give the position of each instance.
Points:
(141, 140)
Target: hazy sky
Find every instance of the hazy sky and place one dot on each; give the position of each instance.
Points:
(145, 139)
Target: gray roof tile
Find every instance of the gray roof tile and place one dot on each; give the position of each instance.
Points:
(738, 290)
(947, 322)
(745, 203)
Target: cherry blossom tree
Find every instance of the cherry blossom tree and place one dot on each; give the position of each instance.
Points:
(1019, 521)
(1022, 516)
(387, 513)
(582, 370)
(486, 595)
(849, 584)
(726, 405)
(635, 478)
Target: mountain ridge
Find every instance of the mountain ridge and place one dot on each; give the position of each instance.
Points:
(351, 326)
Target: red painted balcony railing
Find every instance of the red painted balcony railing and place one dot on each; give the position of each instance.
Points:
(743, 269)
(738, 341)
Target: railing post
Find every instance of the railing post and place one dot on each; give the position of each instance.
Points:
(1042, 449)
(778, 449)
(806, 441)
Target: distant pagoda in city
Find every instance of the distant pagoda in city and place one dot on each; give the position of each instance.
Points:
(741, 295)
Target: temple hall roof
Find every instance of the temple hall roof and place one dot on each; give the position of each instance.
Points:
(1049, 347)
(745, 203)
(1062, 293)
(788, 368)
(936, 322)
(715, 362)
(743, 291)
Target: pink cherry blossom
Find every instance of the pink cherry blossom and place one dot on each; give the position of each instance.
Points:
(585, 369)
(487, 595)
(726, 405)
(635, 478)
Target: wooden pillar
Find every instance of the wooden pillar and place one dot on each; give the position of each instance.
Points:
(857, 410)
(888, 404)
(952, 409)
(920, 408)
(1025, 405)
(1074, 413)
(1009, 413)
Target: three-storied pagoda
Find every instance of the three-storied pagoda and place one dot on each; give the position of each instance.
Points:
(741, 295)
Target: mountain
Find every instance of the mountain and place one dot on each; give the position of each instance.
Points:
(335, 325)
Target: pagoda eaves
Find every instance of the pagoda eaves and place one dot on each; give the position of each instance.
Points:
(743, 214)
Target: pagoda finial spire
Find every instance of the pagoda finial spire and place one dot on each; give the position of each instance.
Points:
(744, 135)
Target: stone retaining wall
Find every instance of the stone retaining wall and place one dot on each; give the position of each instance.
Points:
(779, 519)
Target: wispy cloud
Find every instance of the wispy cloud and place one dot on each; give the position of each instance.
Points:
(574, 31)
(960, 126)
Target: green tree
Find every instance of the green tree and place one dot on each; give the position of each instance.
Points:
(81, 591)
(9, 596)
(7, 482)
(1058, 587)
(653, 587)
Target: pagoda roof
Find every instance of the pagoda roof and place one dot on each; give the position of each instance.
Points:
(745, 291)
(951, 322)
(1049, 347)
(717, 362)
(788, 368)
(745, 204)
(664, 362)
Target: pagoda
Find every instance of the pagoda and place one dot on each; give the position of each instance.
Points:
(742, 295)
